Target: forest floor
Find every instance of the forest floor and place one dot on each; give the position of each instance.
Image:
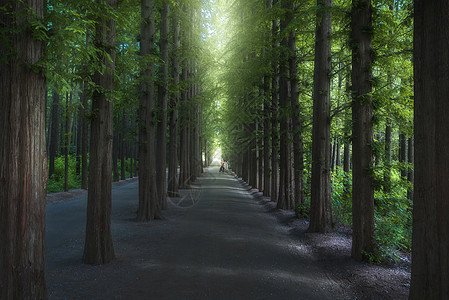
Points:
(219, 240)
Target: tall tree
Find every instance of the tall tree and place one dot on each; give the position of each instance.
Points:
(363, 242)
(172, 189)
(285, 185)
(53, 134)
(430, 242)
(98, 247)
(149, 208)
(84, 137)
(320, 199)
(161, 153)
(275, 108)
(298, 149)
(23, 163)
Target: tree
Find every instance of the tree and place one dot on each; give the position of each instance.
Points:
(149, 208)
(296, 124)
(320, 200)
(23, 163)
(161, 153)
(430, 243)
(363, 242)
(172, 189)
(98, 247)
(53, 134)
(285, 186)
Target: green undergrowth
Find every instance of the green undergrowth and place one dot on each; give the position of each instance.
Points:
(393, 217)
(56, 180)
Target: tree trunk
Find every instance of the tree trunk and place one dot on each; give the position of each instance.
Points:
(172, 189)
(403, 154)
(298, 151)
(84, 140)
(122, 143)
(363, 242)
(54, 132)
(23, 161)
(266, 139)
(320, 199)
(149, 208)
(161, 152)
(78, 139)
(274, 111)
(98, 248)
(411, 172)
(67, 133)
(115, 150)
(387, 175)
(285, 192)
(430, 243)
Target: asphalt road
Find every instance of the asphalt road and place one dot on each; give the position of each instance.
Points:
(217, 242)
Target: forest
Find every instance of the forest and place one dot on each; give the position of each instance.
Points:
(335, 110)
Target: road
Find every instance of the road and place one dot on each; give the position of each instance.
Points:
(217, 242)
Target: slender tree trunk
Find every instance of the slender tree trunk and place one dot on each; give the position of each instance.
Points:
(184, 146)
(122, 143)
(403, 153)
(430, 243)
(285, 192)
(320, 201)
(115, 150)
(161, 153)
(67, 133)
(98, 248)
(338, 156)
(387, 175)
(363, 242)
(84, 140)
(298, 151)
(78, 139)
(149, 208)
(172, 189)
(274, 111)
(23, 173)
(54, 132)
(411, 172)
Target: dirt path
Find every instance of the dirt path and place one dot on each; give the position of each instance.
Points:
(216, 243)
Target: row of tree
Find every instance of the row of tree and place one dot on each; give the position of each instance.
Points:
(131, 72)
(302, 79)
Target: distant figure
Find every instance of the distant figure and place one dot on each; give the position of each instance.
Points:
(222, 167)
(227, 166)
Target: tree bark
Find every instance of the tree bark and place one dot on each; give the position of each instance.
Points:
(115, 150)
(275, 111)
(430, 242)
(23, 161)
(161, 153)
(54, 132)
(172, 189)
(387, 175)
(403, 154)
(98, 247)
(285, 191)
(122, 143)
(149, 208)
(298, 149)
(84, 139)
(363, 242)
(320, 200)
(411, 172)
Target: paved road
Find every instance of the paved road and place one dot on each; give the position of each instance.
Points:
(217, 242)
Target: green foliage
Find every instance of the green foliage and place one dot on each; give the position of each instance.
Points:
(56, 181)
(393, 218)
